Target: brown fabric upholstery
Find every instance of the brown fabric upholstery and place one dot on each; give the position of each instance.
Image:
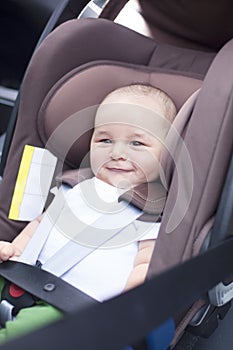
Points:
(208, 138)
(54, 65)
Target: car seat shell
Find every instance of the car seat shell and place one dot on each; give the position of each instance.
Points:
(40, 78)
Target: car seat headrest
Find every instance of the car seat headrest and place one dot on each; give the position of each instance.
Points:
(66, 117)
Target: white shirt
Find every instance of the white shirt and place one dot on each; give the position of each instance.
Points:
(103, 273)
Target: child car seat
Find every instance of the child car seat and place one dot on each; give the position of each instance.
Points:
(144, 52)
(145, 62)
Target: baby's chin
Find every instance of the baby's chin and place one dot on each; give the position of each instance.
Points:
(116, 182)
(123, 185)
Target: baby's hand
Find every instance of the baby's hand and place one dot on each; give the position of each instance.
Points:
(9, 251)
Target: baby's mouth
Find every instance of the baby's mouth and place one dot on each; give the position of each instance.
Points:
(119, 170)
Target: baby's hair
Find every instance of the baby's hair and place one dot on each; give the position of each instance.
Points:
(157, 95)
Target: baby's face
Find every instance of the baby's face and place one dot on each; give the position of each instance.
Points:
(124, 156)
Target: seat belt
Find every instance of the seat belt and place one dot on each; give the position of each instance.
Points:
(128, 317)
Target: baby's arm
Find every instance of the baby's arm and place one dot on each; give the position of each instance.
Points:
(14, 249)
(141, 263)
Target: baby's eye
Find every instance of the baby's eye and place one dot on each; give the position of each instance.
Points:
(136, 143)
(105, 141)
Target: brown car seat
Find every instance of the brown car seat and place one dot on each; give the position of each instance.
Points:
(63, 81)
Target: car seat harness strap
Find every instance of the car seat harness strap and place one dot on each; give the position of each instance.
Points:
(102, 230)
(15, 298)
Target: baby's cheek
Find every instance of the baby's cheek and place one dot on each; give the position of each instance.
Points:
(94, 159)
(152, 171)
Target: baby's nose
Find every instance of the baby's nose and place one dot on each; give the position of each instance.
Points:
(118, 151)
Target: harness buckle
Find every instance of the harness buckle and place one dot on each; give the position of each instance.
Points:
(6, 310)
(14, 299)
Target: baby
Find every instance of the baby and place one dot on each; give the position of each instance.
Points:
(131, 124)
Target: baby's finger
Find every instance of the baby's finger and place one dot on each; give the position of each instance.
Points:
(6, 251)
